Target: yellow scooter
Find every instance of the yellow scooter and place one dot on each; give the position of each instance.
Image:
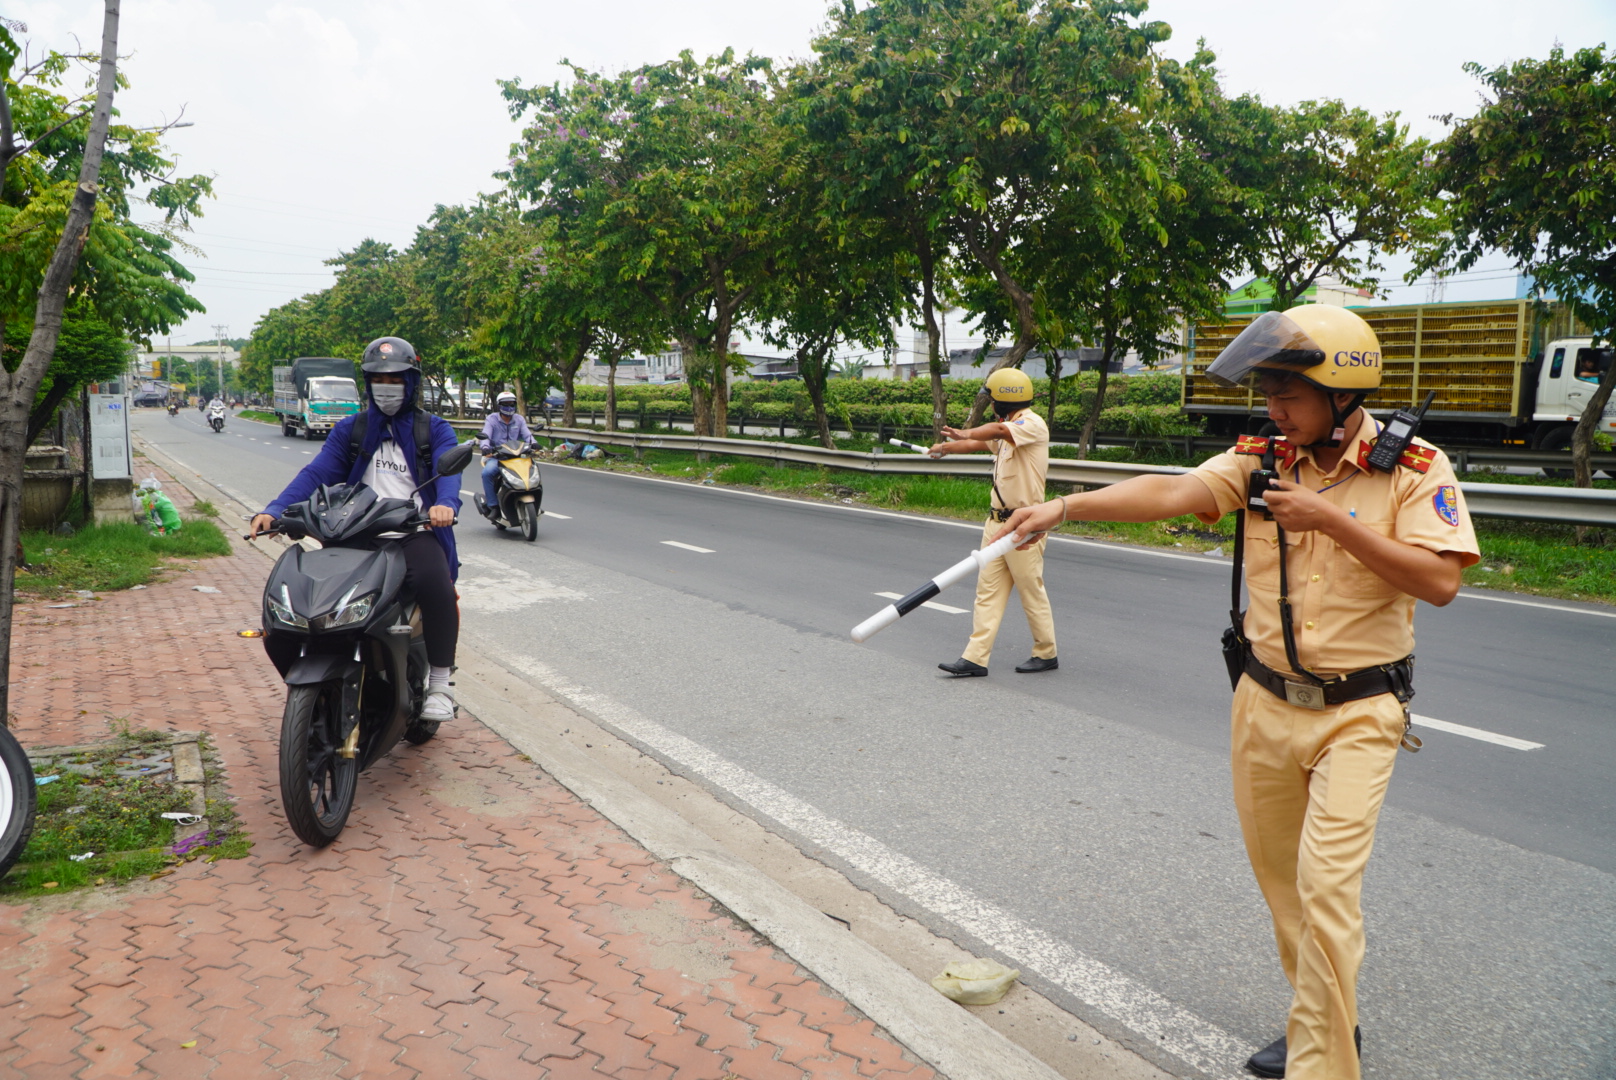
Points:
(519, 489)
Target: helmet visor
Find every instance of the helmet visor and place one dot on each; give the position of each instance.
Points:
(1272, 342)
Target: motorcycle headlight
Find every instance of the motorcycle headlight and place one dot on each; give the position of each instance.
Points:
(282, 610)
(513, 479)
(347, 613)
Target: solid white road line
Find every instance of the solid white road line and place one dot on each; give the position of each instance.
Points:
(927, 603)
(1476, 733)
(1538, 603)
(563, 517)
(689, 547)
(1198, 1042)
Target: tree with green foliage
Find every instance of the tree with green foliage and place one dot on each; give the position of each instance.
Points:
(662, 175)
(89, 350)
(19, 384)
(1329, 189)
(1532, 174)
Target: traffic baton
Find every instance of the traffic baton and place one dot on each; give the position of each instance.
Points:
(896, 610)
(910, 446)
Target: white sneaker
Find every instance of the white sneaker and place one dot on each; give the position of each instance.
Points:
(440, 706)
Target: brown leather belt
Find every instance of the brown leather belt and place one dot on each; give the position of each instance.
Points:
(1395, 678)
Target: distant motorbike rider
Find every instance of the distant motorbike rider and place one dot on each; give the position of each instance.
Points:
(382, 447)
(502, 426)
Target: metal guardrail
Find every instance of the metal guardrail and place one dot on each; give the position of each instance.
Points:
(1517, 502)
(1464, 458)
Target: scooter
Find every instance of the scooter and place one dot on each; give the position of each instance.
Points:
(216, 420)
(348, 644)
(519, 490)
(173, 409)
(17, 800)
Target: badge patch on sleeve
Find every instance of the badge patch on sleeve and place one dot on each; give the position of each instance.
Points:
(1446, 501)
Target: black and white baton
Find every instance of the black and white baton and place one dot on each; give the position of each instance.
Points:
(910, 446)
(977, 560)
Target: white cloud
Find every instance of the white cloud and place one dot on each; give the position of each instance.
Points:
(326, 123)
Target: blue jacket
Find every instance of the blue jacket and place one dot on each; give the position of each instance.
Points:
(335, 465)
(496, 431)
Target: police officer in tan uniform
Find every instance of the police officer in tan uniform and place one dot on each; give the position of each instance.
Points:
(1323, 654)
(1019, 443)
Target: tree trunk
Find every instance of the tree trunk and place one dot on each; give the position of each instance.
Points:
(812, 367)
(521, 397)
(934, 335)
(460, 409)
(720, 377)
(1026, 323)
(1052, 369)
(611, 391)
(17, 388)
(1582, 438)
(1085, 441)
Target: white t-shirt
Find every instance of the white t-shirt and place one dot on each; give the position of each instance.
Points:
(388, 473)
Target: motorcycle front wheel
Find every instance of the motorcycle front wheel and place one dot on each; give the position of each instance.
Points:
(317, 782)
(17, 800)
(530, 520)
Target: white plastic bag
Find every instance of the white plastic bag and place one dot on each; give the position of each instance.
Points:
(975, 982)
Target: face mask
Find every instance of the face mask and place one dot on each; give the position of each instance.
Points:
(389, 397)
(507, 410)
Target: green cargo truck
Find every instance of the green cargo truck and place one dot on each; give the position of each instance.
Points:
(312, 393)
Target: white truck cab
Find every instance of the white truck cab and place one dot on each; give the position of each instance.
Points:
(1567, 378)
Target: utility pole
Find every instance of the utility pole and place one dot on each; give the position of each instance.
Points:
(219, 331)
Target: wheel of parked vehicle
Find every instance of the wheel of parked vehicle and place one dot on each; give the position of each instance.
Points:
(530, 520)
(1558, 440)
(317, 782)
(17, 800)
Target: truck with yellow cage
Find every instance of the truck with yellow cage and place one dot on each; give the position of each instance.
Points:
(1506, 373)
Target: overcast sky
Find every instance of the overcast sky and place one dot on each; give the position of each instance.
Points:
(327, 123)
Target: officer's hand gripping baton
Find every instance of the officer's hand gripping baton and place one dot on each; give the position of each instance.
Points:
(894, 611)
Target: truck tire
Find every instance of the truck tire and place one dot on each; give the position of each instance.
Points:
(1556, 439)
(308, 434)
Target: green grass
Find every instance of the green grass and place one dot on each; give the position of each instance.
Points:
(118, 819)
(115, 555)
(259, 415)
(1527, 557)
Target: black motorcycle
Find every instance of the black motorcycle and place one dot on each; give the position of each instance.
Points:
(349, 645)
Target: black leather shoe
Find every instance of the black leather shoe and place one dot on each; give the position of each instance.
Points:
(1270, 1060)
(963, 666)
(1036, 664)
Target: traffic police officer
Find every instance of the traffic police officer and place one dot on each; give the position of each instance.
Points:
(1019, 442)
(1323, 653)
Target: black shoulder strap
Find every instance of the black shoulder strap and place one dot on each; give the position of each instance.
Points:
(356, 435)
(1237, 618)
(423, 440)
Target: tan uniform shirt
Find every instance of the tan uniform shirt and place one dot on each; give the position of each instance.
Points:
(1346, 616)
(1021, 462)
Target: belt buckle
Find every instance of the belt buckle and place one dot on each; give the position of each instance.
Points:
(1304, 695)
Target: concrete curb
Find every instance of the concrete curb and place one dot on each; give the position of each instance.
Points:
(944, 1035)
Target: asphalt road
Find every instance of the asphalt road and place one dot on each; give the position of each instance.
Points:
(1077, 823)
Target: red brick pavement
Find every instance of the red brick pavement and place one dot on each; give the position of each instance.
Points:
(475, 919)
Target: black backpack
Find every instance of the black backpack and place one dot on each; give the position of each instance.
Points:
(423, 439)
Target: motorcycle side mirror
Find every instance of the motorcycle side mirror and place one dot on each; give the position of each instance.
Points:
(455, 461)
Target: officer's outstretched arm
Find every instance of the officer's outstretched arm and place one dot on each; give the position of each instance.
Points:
(1143, 498)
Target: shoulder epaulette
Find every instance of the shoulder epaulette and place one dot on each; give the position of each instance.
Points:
(1258, 445)
(1418, 458)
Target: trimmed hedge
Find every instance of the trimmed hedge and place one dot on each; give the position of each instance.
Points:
(1141, 405)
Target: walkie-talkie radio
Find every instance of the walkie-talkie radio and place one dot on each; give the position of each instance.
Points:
(1260, 480)
(1396, 436)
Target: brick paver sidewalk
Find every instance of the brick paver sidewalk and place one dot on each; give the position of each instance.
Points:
(475, 919)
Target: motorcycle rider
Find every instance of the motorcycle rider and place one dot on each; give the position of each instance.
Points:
(384, 455)
(502, 426)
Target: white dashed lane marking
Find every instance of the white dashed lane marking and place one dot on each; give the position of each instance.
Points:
(689, 547)
(928, 603)
(1476, 733)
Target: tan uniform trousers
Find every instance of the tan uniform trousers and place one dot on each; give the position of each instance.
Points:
(1308, 785)
(1024, 570)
